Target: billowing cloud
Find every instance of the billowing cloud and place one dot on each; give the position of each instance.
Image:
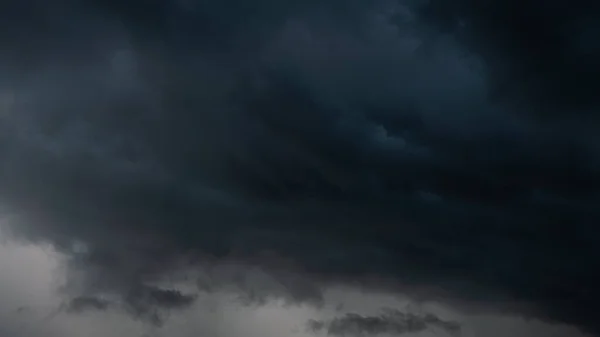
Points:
(32, 308)
(279, 149)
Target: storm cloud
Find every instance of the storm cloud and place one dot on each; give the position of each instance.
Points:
(279, 149)
(391, 322)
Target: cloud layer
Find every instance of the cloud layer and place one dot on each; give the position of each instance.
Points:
(31, 308)
(436, 144)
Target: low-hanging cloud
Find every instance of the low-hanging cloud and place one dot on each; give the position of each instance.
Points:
(436, 144)
(389, 322)
(30, 308)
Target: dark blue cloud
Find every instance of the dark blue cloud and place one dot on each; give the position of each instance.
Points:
(447, 144)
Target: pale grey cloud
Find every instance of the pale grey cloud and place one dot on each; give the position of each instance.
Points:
(31, 276)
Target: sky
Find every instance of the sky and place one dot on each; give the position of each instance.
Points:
(301, 168)
(32, 306)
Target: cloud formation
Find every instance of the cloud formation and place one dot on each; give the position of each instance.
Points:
(80, 304)
(390, 322)
(433, 144)
(31, 307)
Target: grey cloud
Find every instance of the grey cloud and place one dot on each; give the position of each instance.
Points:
(389, 322)
(145, 302)
(154, 303)
(81, 304)
(166, 298)
(32, 268)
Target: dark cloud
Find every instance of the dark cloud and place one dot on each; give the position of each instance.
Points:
(389, 322)
(153, 303)
(81, 304)
(447, 144)
(148, 303)
(544, 53)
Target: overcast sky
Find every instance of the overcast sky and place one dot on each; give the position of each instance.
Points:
(31, 274)
(267, 168)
